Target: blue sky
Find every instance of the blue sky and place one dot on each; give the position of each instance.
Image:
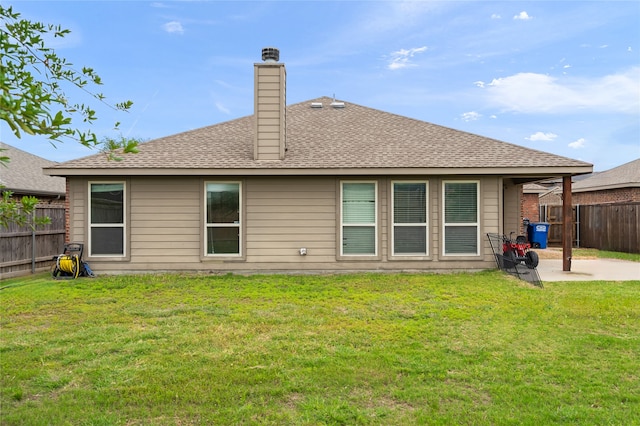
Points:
(557, 76)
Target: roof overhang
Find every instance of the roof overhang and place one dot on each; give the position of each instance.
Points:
(517, 174)
(34, 192)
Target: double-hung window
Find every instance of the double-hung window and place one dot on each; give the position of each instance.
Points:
(461, 217)
(410, 218)
(222, 218)
(107, 218)
(359, 218)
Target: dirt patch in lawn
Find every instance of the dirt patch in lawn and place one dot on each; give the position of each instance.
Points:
(556, 253)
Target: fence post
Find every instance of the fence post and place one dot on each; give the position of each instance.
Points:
(578, 225)
(33, 242)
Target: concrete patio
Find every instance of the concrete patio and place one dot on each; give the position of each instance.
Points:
(589, 270)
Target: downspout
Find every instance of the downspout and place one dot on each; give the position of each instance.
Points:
(567, 223)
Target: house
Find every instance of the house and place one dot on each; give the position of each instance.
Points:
(618, 185)
(604, 209)
(322, 185)
(24, 176)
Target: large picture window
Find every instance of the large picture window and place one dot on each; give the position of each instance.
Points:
(461, 218)
(106, 219)
(222, 218)
(409, 218)
(359, 218)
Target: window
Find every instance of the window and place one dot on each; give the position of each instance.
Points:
(222, 218)
(461, 218)
(106, 218)
(359, 218)
(409, 218)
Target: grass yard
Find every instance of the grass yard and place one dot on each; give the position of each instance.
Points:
(371, 349)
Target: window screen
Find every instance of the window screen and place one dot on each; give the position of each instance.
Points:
(461, 227)
(410, 218)
(358, 218)
(222, 231)
(106, 219)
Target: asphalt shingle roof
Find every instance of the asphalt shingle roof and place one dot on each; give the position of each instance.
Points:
(24, 173)
(331, 138)
(626, 175)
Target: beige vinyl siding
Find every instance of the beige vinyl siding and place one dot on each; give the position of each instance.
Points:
(164, 211)
(77, 207)
(163, 226)
(270, 100)
(511, 208)
(490, 201)
(286, 214)
(281, 215)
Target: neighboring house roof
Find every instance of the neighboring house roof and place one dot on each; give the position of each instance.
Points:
(350, 140)
(624, 176)
(534, 188)
(24, 173)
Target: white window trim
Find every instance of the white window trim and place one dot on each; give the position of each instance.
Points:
(375, 223)
(109, 225)
(476, 224)
(224, 225)
(394, 224)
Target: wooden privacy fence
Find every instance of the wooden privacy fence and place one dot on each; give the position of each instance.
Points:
(23, 251)
(611, 227)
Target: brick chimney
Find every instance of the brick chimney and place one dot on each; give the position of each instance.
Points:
(269, 108)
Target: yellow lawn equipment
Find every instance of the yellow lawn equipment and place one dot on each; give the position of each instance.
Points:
(69, 264)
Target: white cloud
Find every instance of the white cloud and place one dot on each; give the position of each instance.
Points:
(540, 136)
(173, 27)
(480, 84)
(577, 144)
(222, 108)
(523, 16)
(402, 58)
(496, 16)
(471, 116)
(540, 93)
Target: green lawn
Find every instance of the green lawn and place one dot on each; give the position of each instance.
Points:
(379, 349)
(603, 254)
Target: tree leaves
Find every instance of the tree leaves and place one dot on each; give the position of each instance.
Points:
(33, 101)
(113, 147)
(32, 98)
(21, 212)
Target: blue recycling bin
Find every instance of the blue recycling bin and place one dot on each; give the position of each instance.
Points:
(537, 233)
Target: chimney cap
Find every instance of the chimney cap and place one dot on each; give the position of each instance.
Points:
(270, 54)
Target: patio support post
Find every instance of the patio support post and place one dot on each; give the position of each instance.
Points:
(567, 223)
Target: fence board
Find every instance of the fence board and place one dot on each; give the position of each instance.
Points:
(611, 227)
(16, 244)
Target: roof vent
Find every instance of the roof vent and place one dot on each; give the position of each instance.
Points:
(316, 104)
(270, 54)
(337, 104)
